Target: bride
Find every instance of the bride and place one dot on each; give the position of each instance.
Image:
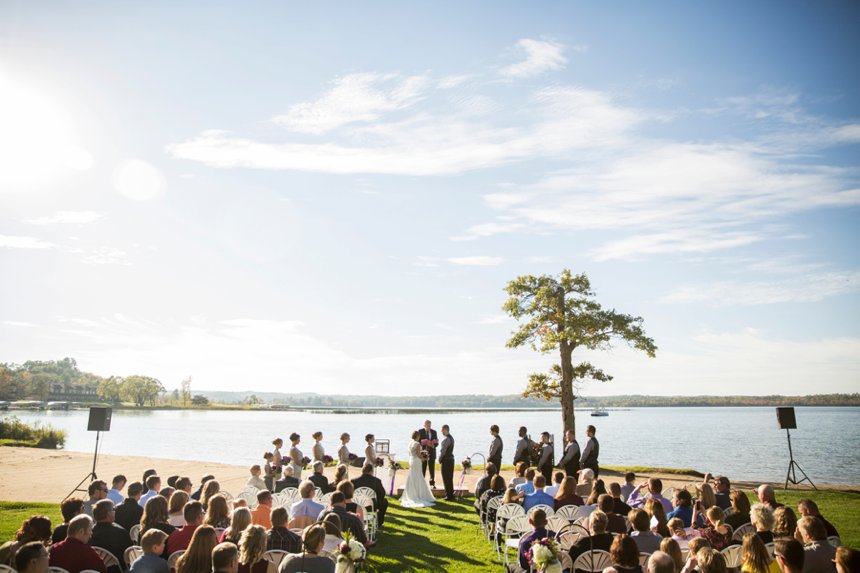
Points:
(416, 493)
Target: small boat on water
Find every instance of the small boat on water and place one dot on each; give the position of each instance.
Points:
(599, 412)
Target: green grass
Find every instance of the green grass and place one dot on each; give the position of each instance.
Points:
(445, 537)
(651, 470)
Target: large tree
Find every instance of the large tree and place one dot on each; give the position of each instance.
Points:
(140, 390)
(560, 313)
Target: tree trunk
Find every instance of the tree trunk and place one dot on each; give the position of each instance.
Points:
(567, 397)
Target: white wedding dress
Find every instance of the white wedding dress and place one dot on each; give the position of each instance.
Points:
(416, 492)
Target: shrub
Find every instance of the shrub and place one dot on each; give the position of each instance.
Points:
(14, 432)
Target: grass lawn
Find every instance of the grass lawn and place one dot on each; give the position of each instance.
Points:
(445, 537)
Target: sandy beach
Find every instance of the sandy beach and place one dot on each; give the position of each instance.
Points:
(32, 474)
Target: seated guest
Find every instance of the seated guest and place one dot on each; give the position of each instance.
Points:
(483, 483)
(255, 480)
(585, 482)
(171, 481)
(166, 492)
(655, 488)
(184, 484)
(367, 479)
(628, 487)
(784, 522)
(97, 491)
(73, 554)
(598, 488)
(252, 548)
(767, 497)
(706, 496)
(177, 502)
(624, 554)
(661, 562)
(497, 488)
(722, 491)
(740, 509)
(847, 560)
(566, 494)
(70, 508)
(199, 491)
(643, 537)
(615, 523)
(599, 539)
(671, 548)
(107, 534)
(519, 475)
(37, 528)
(511, 496)
(789, 555)
(153, 486)
(819, 554)
(262, 514)
(807, 507)
(210, 489)
(306, 506)
(115, 493)
(538, 496)
(348, 491)
(683, 507)
(349, 522)
(528, 486)
(287, 481)
(198, 556)
(152, 543)
(341, 473)
(754, 556)
(538, 521)
(218, 515)
(155, 516)
(557, 478)
(333, 537)
(682, 535)
(761, 516)
(715, 530)
(710, 560)
(225, 558)
(621, 508)
(146, 474)
(238, 522)
(318, 478)
(657, 516)
(309, 560)
(279, 537)
(696, 544)
(179, 539)
(32, 557)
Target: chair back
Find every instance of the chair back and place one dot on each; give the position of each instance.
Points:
(134, 533)
(174, 557)
(300, 522)
(643, 560)
(325, 499)
(366, 491)
(567, 512)
(732, 555)
(6, 569)
(318, 495)
(585, 510)
(557, 524)
(509, 510)
(131, 554)
(770, 549)
(274, 556)
(593, 561)
(109, 558)
(546, 509)
(728, 511)
(517, 526)
(250, 498)
(568, 539)
(739, 533)
(291, 494)
(834, 540)
(227, 495)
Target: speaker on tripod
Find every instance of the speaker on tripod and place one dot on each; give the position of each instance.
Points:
(98, 422)
(787, 421)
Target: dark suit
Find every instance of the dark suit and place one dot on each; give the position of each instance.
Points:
(495, 453)
(288, 481)
(128, 514)
(320, 481)
(112, 537)
(545, 463)
(446, 459)
(570, 459)
(374, 483)
(423, 434)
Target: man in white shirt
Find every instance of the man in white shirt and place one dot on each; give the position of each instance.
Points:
(154, 485)
(115, 493)
(557, 479)
(307, 506)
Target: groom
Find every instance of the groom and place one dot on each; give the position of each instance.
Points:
(428, 439)
(446, 460)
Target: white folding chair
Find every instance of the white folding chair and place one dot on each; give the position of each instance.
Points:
(134, 533)
(739, 533)
(250, 498)
(567, 512)
(547, 509)
(6, 569)
(593, 561)
(274, 556)
(109, 558)
(325, 499)
(227, 495)
(728, 511)
(834, 540)
(318, 494)
(367, 491)
(770, 549)
(643, 560)
(174, 557)
(557, 524)
(732, 555)
(585, 510)
(131, 554)
(569, 538)
(291, 495)
(515, 528)
(668, 493)
(492, 505)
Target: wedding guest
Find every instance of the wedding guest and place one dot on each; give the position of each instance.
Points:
(715, 530)
(497, 488)
(710, 560)
(538, 521)
(661, 562)
(628, 487)
(683, 507)
(277, 458)
(754, 556)
(199, 491)
(570, 458)
(600, 538)
(166, 492)
(348, 521)
(32, 557)
(591, 452)
(624, 554)
(784, 522)
(307, 505)
(740, 509)
(538, 496)
(171, 481)
(367, 479)
(722, 490)
(483, 484)
(523, 453)
(318, 478)
(69, 508)
(97, 491)
(671, 548)
(296, 456)
(333, 537)
(279, 537)
(767, 497)
(557, 478)
(185, 484)
(225, 558)
(36, 528)
(146, 474)
(519, 474)
(847, 560)
(318, 450)
(694, 547)
(348, 490)
(616, 523)
(175, 516)
(529, 486)
(621, 508)
(585, 482)
(789, 555)
(198, 555)
(155, 516)
(309, 560)
(289, 480)
(73, 553)
(218, 514)
(152, 543)
(512, 496)
(819, 554)
(598, 488)
(682, 535)
(761, 516)
(566, 494)
(107, 534)
(262, 514)
(643, 537)
(494, 455)
(547, 457)
(655, 488)
(115, 493)
(181, 538)
(343, 450)
(252, 548)
(240, 520)
(255, 480)
(341, 473)
(210, 489)
(655, 511)
(807, 507)
(153, 486)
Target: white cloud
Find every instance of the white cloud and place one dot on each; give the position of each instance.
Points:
(106, 256)
(678, 241)
(486, 230)
(17, 323)
(495, 319)
(18, 242)
(67, 218)
(478, 261)
(804, 288)
(539, 56)
(139, 180)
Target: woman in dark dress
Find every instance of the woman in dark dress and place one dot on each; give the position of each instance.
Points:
(625, 555)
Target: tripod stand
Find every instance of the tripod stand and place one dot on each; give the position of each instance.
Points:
(791, 475)
(92, 475)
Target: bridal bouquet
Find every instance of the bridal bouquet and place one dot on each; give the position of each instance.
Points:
(380, 462)
(543, 554)
(349, 552)
(424, 455)
(467, 464)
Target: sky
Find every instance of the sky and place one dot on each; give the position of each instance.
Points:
(331, 196)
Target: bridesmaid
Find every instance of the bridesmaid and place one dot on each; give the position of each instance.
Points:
(318, 449)
(343, 451)
(277, 459)
(370, 450)
(269, 473)
(296, 456)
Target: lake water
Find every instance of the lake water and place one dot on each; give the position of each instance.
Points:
(742, 443)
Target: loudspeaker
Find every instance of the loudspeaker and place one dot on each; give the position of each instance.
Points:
(785, 417)
(99, 420)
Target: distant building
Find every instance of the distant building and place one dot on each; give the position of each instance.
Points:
(69, 392)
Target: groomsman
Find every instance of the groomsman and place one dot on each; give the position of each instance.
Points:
(545, 462)
(523, 452)
(495, 453)
(570, 460)
(446, 459)
(591, 452)
(429, 440)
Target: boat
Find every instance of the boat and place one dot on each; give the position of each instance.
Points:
(599, 412)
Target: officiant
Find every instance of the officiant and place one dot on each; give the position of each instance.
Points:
(429, 440)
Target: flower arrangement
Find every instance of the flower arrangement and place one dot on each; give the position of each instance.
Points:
(467, 464)
(543, 554)
(352, 457)
(424, 455)
(393, 468)
(327, 459)
(349, 552)
(305, 461)
(380, 462)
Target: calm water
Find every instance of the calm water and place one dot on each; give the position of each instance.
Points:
(743, 443)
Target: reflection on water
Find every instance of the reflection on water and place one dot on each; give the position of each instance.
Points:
(743, 443)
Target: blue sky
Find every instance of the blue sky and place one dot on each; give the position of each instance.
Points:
(331, 196)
